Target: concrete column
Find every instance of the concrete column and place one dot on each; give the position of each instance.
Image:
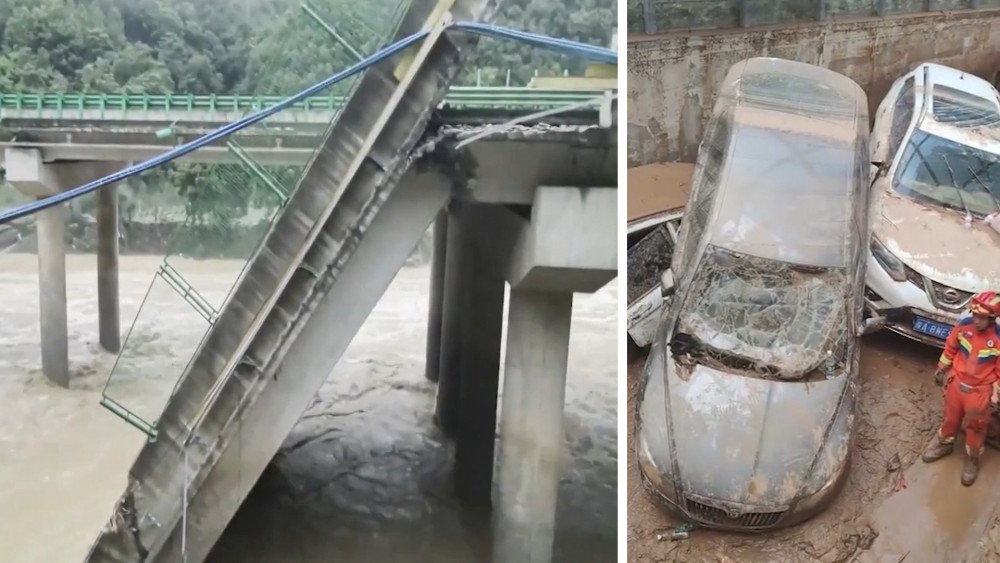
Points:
(470, 348)
(107, 268)
(51, 226)
(531, 425)
(433, 355)
(448, 375)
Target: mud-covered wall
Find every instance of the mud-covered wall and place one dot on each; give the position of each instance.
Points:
(661, 16)
(672, 78)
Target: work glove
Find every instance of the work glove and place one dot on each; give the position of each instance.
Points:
(939, 377)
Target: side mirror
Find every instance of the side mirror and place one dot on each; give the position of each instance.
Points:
(667, 283)
(878, 169)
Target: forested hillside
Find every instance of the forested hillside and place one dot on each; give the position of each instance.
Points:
(245, 46)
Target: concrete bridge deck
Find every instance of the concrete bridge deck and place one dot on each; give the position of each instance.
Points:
(118, 128)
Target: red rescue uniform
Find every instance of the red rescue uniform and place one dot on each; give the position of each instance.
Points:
(971, 358)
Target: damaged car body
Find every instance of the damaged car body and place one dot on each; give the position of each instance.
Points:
(936, 200)
(745, 413)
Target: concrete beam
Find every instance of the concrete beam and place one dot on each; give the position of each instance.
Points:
(589, 160)
(531, 426)
(580, 149)
(570, 242)
(29, 174)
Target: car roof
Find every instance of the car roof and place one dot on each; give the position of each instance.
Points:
(788, 184)
(792, 87)
(957, 79)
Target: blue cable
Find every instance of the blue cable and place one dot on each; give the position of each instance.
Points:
(566, 46)
(599, 54)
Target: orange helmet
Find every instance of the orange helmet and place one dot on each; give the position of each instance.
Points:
(986, 303)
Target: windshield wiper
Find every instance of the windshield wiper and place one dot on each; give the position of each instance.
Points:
(954, 184)
(996, 204)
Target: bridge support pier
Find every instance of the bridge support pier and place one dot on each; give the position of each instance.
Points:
(107, 269)
(566, 246)
(470, 348)
(51, 228)
(434, 312)
(531, 425)
(30, 174)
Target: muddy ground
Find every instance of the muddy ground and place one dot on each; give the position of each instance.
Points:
(875, 518)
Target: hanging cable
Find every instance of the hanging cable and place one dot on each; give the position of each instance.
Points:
(572, 47)
(501, 127)
(591, 52)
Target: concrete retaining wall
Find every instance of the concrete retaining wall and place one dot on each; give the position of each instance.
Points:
(661, 16)
(672, 78)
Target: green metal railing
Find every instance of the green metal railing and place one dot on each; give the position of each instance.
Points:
(470, 98)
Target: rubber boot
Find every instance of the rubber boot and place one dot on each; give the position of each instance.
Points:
(937, 449)
(970, 468)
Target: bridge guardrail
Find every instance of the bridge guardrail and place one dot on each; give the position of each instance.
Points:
(473, 97)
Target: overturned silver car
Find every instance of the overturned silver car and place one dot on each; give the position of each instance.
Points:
(746, 410)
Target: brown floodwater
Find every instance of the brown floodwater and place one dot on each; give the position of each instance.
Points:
(364, 475)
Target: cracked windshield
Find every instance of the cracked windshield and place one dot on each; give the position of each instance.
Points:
(949, 174)
(780, 321)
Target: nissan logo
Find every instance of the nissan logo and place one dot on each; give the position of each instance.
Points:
(733, 513)
(951, 296)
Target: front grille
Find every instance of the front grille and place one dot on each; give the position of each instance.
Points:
(713, 515)
(949, 297)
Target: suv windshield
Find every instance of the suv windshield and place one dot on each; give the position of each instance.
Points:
(948, 174)
(767, 317)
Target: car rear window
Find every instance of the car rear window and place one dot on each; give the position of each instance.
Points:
(963, 109)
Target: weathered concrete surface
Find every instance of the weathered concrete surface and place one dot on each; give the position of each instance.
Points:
(672, 78)
(62, 140)
(109, 322)
(436, 305)
(568, 244)
(52, 294)
(652, 16)
(531, 426)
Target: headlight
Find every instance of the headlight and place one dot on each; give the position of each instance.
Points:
(659, 479)
(892, 265)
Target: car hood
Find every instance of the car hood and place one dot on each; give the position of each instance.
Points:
(754, 442)
(936, 243)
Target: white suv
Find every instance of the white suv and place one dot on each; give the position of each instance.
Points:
(935, 239)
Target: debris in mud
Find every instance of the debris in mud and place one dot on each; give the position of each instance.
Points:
(893, 464)
(681, 532)
(901, 482)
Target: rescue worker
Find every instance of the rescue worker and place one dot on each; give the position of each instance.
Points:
(971, 359)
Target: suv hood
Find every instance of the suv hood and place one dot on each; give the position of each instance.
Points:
(751, 442)
(935, 242)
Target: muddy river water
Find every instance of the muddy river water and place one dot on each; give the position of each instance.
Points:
(364, 476)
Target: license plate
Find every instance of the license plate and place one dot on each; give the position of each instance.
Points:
(930, 327)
